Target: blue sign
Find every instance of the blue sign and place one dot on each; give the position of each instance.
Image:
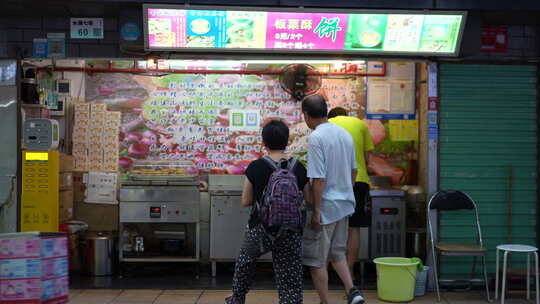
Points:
(433, 132)
(130, 31)
(56, 45)
(39, 48)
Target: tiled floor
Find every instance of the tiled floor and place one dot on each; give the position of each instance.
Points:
(156, 296)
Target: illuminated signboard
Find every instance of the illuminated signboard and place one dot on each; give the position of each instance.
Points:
(371, 32)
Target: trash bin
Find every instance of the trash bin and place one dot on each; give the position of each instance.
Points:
(421, 280)
(99, 254)
(396, 279)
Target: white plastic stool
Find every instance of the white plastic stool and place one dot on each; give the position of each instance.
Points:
(516, 248)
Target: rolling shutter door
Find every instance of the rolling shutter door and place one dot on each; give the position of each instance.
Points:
(488, 148)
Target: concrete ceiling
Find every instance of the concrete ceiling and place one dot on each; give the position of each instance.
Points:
(515, 11)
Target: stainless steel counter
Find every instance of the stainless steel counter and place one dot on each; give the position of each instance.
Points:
(228, 219)
(150, 209)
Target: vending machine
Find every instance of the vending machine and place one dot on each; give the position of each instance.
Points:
(40, 176)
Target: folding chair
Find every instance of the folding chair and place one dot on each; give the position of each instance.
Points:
(453, 200)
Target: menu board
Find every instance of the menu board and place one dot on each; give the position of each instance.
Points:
(215, 120)
(421, 33)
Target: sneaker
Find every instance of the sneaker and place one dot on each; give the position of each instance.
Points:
(355, 297)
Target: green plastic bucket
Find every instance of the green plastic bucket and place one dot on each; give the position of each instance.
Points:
(396, 279)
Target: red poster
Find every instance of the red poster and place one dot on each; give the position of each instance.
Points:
(494, 39)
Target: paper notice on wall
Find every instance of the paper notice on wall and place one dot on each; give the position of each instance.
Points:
(402, 97)
(402, 70)
(378, 96)
(244, 120)
(101, 188)
(403, 130)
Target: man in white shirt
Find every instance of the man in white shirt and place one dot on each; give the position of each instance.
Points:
(332, 170)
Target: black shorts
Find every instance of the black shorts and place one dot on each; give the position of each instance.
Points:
(362, 215)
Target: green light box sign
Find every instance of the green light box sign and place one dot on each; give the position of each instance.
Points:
(169, 27)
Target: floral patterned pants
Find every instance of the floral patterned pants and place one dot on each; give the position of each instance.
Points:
(286, 258)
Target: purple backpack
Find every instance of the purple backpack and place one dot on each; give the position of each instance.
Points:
(282, 203)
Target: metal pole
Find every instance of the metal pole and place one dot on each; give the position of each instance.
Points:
(433, 164)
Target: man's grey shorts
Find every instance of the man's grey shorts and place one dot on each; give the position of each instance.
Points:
(328, 244)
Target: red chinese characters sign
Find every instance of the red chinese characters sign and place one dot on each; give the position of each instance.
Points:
(494, 40)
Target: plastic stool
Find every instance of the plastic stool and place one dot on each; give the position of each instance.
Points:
(516, 248)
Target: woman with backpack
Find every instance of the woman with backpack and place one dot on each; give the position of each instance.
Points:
(280, 182)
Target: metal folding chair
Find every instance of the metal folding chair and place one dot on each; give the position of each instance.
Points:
(453, 200)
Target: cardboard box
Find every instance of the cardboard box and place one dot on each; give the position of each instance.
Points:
(20, 268)
(79, 188)
(79, 133)
(110, 142)
(96, 130)
(98, 116)
(98, 107)
(82, 118)
(96, 166)
(54, 247)
(110, 152)
(19, 248)
(79, 151)
(81, 164)
(81, 107)
(43, 279)
(55, 290)
(66, 181)
(66, 163)
(111, 165)
(66, 205)
(53, 268)
(95, 151)
(21, 291)
(95, 141)
(113, 119)
(99, 217)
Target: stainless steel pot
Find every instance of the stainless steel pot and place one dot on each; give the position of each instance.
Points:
(99, 254)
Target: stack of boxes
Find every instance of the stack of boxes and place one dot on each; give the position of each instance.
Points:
(80, 136)
(54, 269)
(33, 268)
(95, 138)
(95, 149)
(110, 140)
(66, 188)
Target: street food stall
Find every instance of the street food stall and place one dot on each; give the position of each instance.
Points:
(150, 137)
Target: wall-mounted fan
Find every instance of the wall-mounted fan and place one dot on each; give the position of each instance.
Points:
(300, 80)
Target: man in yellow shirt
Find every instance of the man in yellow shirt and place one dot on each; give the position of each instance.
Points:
(363, 143)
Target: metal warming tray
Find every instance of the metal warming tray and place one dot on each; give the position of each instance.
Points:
(162, 170)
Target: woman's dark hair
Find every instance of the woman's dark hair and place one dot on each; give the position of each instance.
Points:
(315, 106)
(275, 135)
(337, 111)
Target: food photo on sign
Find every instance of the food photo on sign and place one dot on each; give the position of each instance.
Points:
(215, 119)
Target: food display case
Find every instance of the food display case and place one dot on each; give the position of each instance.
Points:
(159, 213)
(163, 170)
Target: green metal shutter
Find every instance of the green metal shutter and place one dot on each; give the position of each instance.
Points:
(488, 148)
